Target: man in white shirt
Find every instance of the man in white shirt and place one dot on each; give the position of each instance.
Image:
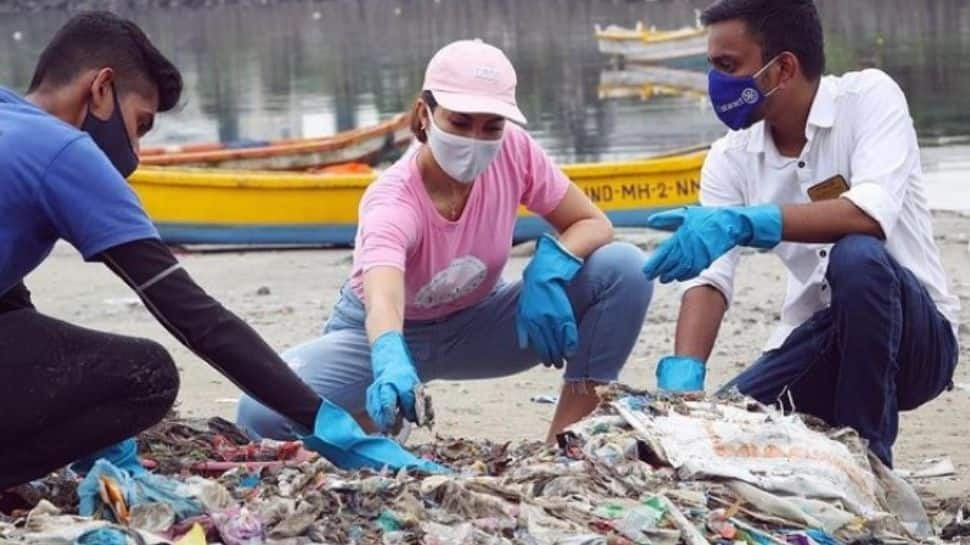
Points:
(825, 171)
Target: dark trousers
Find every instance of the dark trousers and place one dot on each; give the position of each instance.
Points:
(66, 391)
(881, 347)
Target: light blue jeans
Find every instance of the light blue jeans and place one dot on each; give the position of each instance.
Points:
(610, 296)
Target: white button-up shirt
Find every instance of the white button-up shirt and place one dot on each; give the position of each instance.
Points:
(860, 128)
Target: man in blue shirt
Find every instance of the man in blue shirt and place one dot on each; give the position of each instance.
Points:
(69, 394)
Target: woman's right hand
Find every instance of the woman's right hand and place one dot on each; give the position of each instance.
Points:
(394, 381)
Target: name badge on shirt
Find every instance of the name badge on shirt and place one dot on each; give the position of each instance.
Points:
(830, 189)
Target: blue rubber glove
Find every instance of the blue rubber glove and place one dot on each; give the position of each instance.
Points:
(706, 233)
(337, 437)
(681, 374)
(123, 455)
(138, 488)
(545, 318)
(394, 381)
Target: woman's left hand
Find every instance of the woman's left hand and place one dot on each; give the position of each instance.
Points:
(545, 318)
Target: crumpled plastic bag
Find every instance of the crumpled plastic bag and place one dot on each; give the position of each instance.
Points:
(211, 494)
(798, 511)
(105, 479)
(102, 536)
(152, 517)
(727, 442)
(903, 500)
(239, 526)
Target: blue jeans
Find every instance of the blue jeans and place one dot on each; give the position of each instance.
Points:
(610, 296)
(881, 347)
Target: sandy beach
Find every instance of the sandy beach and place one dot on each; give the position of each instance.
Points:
(287, 295)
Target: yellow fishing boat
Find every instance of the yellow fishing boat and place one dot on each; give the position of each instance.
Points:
(212, 206)
(651, 45)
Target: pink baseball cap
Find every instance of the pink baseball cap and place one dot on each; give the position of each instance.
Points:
(472, 77)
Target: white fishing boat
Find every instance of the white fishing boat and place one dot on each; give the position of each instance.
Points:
(642, 44)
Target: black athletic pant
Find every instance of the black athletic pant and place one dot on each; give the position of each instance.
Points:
(66, 391)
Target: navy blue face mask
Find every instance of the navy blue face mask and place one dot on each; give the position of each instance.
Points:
(736, 98)
(111, 136)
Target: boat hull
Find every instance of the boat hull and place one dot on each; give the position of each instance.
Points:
(200, 206)
(366, 145)
(650, 46)
(640, 80)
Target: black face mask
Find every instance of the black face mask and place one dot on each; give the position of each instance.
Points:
(112, 137)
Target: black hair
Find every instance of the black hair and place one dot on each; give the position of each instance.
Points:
(416, 129)
(101, 39)
(779, 25)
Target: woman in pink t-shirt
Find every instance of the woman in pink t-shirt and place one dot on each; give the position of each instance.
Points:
(426, 299)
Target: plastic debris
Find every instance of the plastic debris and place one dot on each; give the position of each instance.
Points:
(103, 536)
(934, 467)
(211, 448)
(959, 526)
(641, 470)
(423, 407)
(690, 533)
(112, 493)
(867, 540)
(152, 517)
(239, 526)
(632, 519)
(719, 522)
(545, 399)
(195, 536)
(792, 510)
(760, 448)
(46, 524)
(819, 537)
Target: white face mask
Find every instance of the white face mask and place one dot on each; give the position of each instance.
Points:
(462, 158)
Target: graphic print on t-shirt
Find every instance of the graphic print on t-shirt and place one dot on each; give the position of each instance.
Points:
(461, 277)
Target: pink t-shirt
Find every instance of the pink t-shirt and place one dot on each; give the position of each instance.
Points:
(451, 265)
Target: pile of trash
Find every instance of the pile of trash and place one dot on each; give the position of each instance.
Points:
(641, 470)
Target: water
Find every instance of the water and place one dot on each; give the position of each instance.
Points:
(306, 69)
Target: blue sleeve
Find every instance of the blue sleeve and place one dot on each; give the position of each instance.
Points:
(88, 203)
